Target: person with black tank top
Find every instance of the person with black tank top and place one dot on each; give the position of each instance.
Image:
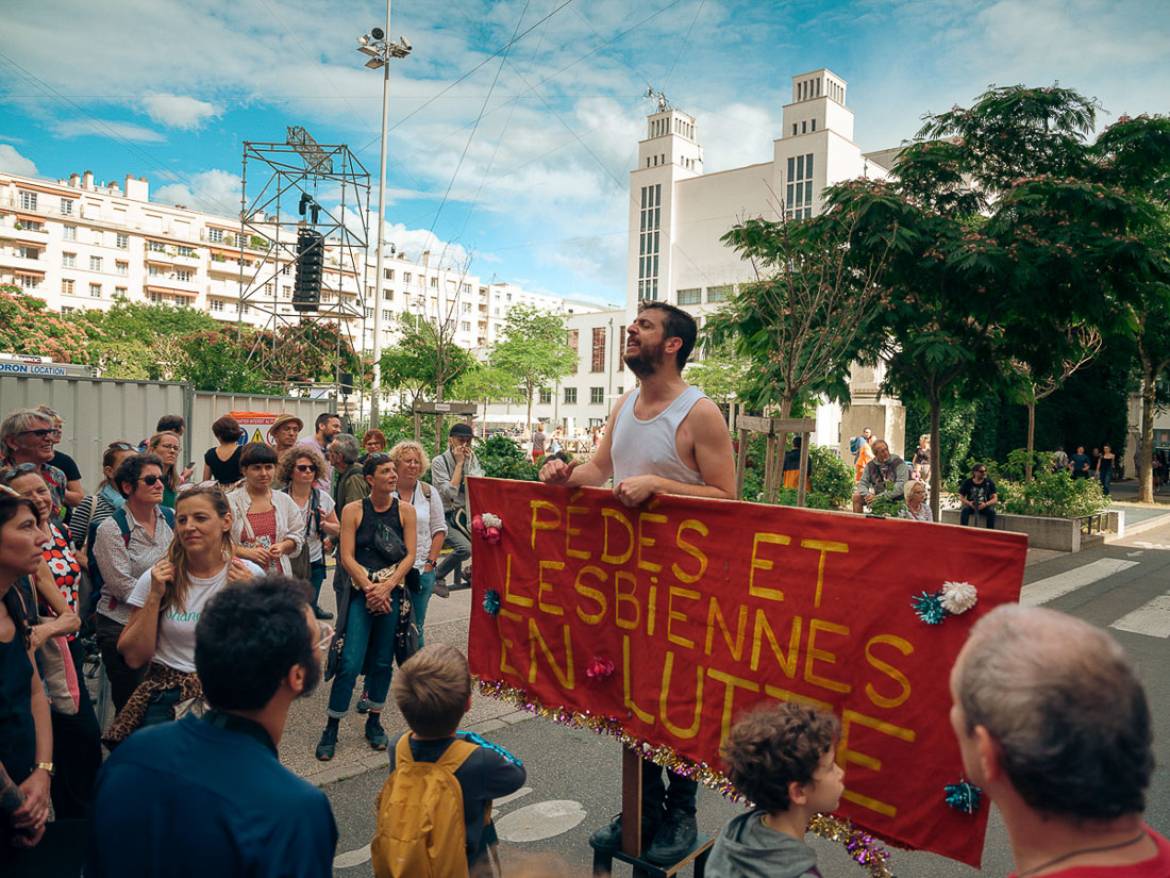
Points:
(26, 733)
(378, 542)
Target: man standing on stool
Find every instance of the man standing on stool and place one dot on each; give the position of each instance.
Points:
(664, 437)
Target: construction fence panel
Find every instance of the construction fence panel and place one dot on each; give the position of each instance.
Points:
(207, 407)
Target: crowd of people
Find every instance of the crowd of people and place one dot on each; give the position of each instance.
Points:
(207, 616)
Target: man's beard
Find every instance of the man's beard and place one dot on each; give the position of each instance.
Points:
(647, 361)
(312, 677)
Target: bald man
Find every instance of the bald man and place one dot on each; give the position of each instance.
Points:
(1054, 726)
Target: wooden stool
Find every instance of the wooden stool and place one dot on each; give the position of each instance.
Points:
(631, 850)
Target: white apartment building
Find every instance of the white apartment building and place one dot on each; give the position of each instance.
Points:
(81, 244)
(678, 213)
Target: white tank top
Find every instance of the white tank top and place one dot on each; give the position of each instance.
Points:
(647, 448)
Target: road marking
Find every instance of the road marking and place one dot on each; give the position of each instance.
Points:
(1044, 590)
(539, 821)
(1151, 618)
(352, 858)
(1146, 545)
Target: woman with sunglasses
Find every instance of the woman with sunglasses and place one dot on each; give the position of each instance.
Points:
(76, 736)
(299, 468)
(97, 507)
(126, 545)
(168, 446)
(267, 526)
(166, 603)
(26, 732)
(28, 436)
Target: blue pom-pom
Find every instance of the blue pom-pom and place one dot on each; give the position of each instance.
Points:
(963, 796)
(929, 607)
(491, 602)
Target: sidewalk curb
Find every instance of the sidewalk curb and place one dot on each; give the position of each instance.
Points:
(1139, 527)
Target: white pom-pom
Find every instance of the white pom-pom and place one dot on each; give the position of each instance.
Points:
(490, 519)
(958, 597)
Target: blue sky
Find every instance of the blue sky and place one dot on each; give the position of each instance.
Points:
(171, 91)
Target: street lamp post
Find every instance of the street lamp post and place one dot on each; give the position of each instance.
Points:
(377, 45)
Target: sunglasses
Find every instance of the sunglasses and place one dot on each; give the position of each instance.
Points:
(121, 446)
(326, 632)
(151, 480)
(306, 468)
(42, 433)
(15, 472)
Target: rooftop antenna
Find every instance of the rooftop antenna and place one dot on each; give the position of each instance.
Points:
(658, 97)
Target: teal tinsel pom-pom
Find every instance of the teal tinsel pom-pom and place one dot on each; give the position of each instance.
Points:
(963, 796)
(929, 608)
(491, 602)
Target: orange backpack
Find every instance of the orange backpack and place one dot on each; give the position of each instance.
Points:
(420, 831)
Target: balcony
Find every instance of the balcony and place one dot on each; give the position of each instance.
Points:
(23, 264)
(12, 232)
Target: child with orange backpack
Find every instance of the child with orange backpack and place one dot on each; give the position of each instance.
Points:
(434, 811)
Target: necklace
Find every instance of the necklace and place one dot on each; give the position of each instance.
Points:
(1079, 851)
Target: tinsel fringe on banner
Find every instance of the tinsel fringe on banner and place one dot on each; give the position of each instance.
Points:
(863, 848)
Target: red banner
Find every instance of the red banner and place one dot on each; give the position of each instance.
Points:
(665, 622)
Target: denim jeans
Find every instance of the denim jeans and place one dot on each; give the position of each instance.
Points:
(418, 602)
(364, 632)
(986, 515)
(316, 577)
(161, 708)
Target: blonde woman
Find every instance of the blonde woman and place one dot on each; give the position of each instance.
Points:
(166, 604)
(914, 506)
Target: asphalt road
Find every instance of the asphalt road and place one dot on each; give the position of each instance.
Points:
(573, 777)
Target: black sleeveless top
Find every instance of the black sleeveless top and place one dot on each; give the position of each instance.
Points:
(369, 549)
(18, 734)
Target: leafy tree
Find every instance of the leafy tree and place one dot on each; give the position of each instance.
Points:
(486, 383)
(805, 319)
(502, 458)
(533, 352)
(27, 326)
(217, 360)
(722, 374)
(424, 362)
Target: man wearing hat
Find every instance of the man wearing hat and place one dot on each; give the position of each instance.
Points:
(284, 432)
(449, 473)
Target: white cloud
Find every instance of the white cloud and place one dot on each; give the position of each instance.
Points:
(106, 128)
(178, 111)
(14, 163)
(214, 191)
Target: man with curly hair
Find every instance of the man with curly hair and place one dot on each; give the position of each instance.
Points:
(781, 758)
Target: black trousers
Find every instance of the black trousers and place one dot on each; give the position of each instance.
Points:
(77, 751)
(678, 796)
(123, 678)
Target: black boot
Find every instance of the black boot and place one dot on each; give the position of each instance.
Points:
(375, 734)
(674, 839)
(327, 746)
(609, 837)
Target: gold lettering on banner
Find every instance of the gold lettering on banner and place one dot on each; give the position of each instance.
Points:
(664, 697)
(757, 563)
(627, 689)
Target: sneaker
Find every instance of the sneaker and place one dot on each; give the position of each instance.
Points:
(327, 746)
(363, 705)
(441, 590)
(674, 839)
(321, 614)
(609, 837)
(375, 734)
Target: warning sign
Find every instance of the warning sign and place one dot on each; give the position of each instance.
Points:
(255, 424)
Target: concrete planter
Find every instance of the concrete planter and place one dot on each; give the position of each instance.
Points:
(1061, 534)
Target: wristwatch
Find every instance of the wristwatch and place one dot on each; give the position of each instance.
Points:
(47, 766)
(430, 563)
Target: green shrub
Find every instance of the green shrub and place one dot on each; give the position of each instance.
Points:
(832, 479)
(1055, 495)
(502, 458)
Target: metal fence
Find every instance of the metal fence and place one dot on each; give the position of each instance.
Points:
(98, 411)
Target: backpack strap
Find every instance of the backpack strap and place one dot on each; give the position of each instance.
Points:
(426, 489)
(168, 515)
(455, 755)
(123, 523)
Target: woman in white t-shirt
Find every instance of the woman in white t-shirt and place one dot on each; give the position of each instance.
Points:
(298, 470)
(168, 600)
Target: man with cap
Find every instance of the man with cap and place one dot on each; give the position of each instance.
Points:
(449, 473)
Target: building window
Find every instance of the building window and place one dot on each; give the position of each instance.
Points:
(95, 290)
(799, 187)
(387, 315)
(720, 293)
(28, 200)
(95, 263)
(388, 273)
(69, 232)
(573, 341)
(215, 236)
(597, 396)
(216, 304)
(122, 267)
(570, 396)
(465, 326)
(28, 282)
(155, 297)
(597, 360)
(189, 252)
(434, 283)
(67, 287)
(156, 246)
(119, 292)
(68, 260)
(122, 241)
(406, 277)
(814, 124)
(649, 224)
(620, 390)
(545, 396)
(67, 207)
(182, 274)
(690, 297)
